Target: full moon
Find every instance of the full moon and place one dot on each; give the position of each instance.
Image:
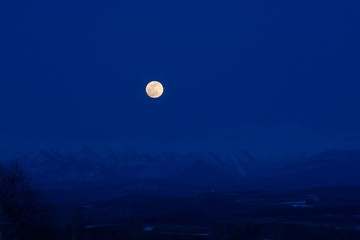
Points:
(154, 89)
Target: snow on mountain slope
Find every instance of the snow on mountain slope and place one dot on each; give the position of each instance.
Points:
(106, 165)
(285, 152)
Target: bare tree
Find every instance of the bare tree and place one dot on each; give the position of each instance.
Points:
(22, 216)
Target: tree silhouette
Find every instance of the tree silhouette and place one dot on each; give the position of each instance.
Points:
(22, 216)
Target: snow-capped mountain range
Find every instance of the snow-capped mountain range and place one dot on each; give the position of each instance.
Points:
(294, 157)
(107, 165)
(87, 166)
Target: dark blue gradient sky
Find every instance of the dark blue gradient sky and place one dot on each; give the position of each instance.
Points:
(79, 68)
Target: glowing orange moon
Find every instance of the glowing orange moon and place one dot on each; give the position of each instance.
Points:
(154, 89)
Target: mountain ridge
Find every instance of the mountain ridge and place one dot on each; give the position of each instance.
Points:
(104, 166)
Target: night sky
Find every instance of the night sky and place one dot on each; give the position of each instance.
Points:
(78, 69)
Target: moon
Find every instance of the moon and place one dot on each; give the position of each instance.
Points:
(154, 89)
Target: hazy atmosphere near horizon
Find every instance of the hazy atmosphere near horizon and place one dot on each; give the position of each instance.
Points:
(253, 133)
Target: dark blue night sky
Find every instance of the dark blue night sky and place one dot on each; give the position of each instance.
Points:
(78, 69)
(256, 136)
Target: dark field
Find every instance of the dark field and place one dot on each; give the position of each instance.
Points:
(323, 213)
